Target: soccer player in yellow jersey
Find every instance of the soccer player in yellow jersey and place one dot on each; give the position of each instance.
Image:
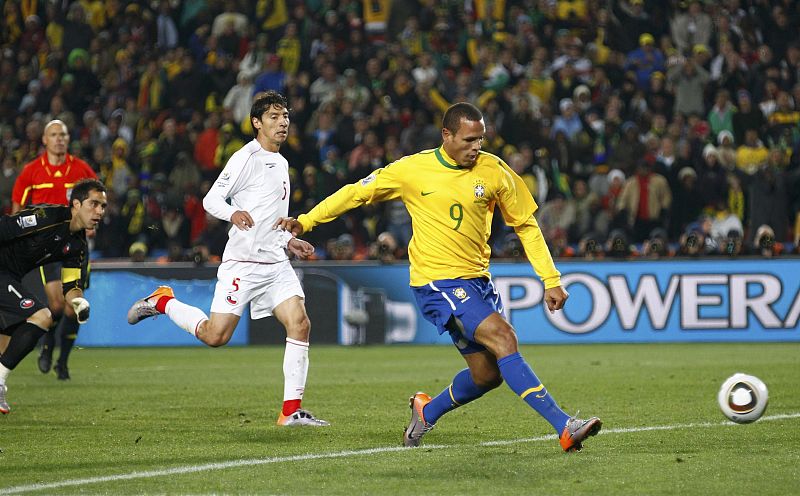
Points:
(451, 193)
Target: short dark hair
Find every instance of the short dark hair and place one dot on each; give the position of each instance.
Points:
(82, 189)
(266, 100)
(454, 114)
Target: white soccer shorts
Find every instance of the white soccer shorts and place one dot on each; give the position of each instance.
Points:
(264, 286)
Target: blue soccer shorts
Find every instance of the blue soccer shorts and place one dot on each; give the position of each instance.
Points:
(458, 306)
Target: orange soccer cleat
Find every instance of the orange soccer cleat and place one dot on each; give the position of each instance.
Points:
(417, 427)
(576, 431)
(146, 307)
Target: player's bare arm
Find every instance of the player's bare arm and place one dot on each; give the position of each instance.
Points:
(555, 298)
(289, 224)
(242, 220)
(300, 248)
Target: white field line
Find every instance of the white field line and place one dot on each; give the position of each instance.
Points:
(189, 469)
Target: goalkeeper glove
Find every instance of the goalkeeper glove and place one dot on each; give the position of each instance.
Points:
(81, 307)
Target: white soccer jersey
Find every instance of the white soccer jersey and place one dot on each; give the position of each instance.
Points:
(256, 181)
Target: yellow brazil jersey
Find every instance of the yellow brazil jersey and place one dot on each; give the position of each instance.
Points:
(451, 209)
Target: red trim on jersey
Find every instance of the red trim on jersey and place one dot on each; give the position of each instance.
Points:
(253, 261)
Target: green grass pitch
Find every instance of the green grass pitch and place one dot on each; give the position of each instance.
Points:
(200, 421)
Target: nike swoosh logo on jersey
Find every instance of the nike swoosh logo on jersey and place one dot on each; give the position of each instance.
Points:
(426, 193)
(271, 165)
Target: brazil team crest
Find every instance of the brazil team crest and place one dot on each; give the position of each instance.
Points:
(480, 189)
(461, 294)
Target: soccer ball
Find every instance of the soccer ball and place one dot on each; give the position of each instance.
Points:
(743, 398)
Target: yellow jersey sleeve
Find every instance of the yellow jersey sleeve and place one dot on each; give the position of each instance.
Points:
(383, 184)
(518, 206)
(514, 199)
(538, 254)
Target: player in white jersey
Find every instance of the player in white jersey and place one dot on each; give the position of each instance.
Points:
(255, 268)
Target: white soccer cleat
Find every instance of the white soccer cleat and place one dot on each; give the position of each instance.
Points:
(4, 408)
(301, 418)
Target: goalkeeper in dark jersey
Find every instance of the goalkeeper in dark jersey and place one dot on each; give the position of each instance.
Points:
(31, 237)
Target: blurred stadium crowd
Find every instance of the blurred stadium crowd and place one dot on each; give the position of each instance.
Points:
(642, 128)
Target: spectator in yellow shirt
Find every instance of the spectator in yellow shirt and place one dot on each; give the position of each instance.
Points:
(752, 154)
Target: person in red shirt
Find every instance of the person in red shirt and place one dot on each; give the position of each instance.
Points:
(49, 178)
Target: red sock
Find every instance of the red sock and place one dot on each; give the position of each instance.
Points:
(161, 304)
(290, 406)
